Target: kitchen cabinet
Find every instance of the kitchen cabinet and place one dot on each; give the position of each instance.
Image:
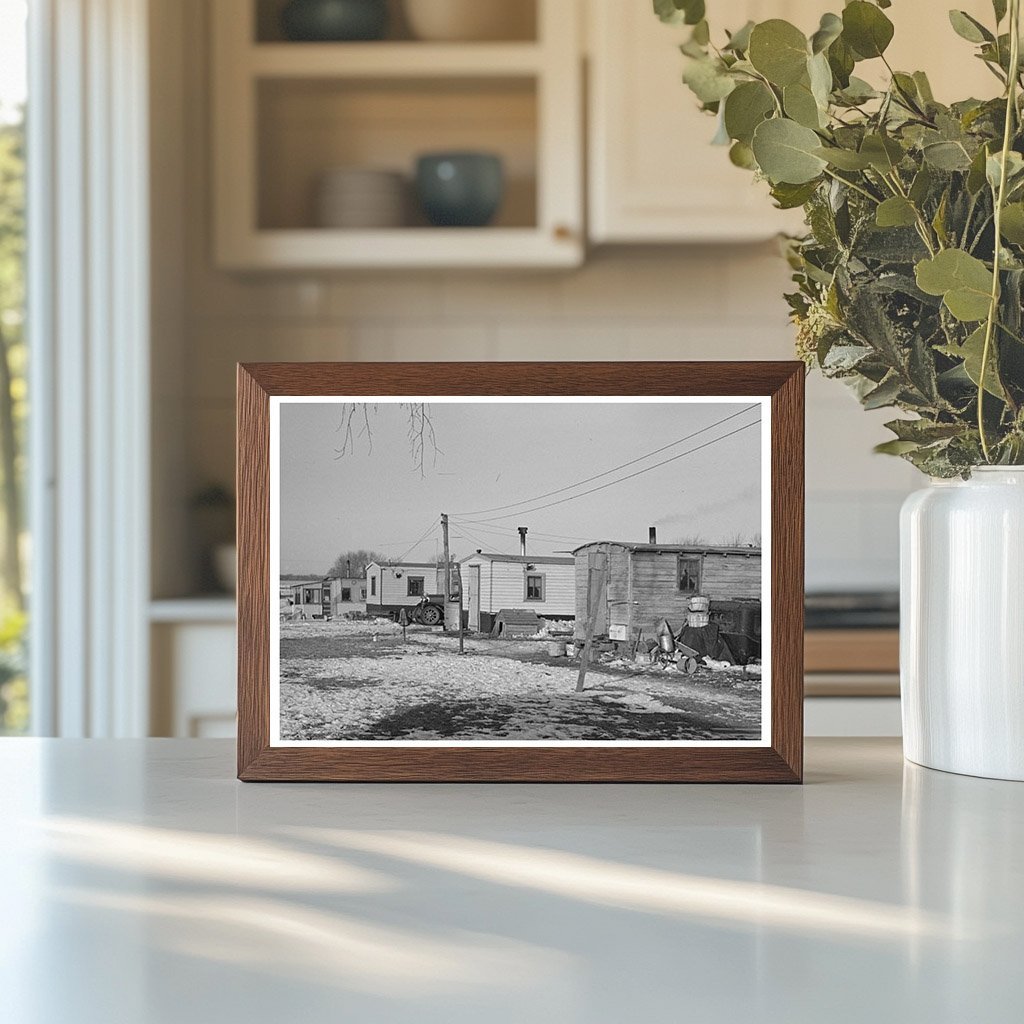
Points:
(287, 113)
(653, 175)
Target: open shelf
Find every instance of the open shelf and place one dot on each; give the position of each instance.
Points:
(306, 128)
(393, 60)
(287, 113)
(521, 16)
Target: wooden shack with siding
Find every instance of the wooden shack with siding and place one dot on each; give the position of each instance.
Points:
(650, 582)
(348, 595)
(544, 584)
(392, 586)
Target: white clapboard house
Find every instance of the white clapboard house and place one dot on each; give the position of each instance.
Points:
(392, 586)
(544, 584)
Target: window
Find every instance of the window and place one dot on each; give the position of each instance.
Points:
(689, 573)
(14, 545)
(534, 587)
(416, 588)
(346, 594)
(373, 585)
(362, 593)
(310, 596)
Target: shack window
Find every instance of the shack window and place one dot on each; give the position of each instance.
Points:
(534, 588)
(373, 586)
(416, 586)
(346, 594)
(362, 593)
(689, 574)
(310, 596)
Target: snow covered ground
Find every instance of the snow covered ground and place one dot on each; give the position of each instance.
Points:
(361, 680)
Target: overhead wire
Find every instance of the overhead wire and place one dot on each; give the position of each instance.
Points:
(631, 476)
(614, 469)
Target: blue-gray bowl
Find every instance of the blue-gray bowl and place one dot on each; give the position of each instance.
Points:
(461, 190)
(332, 21)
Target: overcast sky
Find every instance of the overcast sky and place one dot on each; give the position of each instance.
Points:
(497, 454)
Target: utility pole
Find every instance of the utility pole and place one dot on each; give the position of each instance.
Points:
(447, 568)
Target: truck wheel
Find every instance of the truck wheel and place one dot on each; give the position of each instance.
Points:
(430, 615)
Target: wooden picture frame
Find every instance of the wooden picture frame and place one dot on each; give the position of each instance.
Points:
(778, 759)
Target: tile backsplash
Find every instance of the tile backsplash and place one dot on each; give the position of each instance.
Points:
(699, 303)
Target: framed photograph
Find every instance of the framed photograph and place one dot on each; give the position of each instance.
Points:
(528, 572)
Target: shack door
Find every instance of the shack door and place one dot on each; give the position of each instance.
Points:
(597, 589)
(473, 592)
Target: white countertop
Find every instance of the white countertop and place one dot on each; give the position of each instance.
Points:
(143, 885)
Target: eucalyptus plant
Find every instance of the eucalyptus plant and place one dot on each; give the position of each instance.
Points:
(910, 278)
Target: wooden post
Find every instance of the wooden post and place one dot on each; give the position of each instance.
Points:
(462, 632)
(596, 580)
(447, 572)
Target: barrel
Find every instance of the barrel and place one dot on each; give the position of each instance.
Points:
(697, 620)
(557, 648)
(699, 604)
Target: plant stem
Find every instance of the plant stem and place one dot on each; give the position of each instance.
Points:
(849, 184)
(1000, 199)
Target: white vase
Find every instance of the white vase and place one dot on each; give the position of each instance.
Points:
(962, 624)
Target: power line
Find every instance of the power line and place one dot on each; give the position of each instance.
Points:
(503, 532)
(607, 472)
(426, 533)
(622, 480)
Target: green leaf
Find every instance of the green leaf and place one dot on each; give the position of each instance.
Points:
(745, 108)
(896, 212)
(785, 152)
(1012, 226)
(971, 352)
(800, 105)
(883, 153)
(976, 174)
(895, 447)
(708, 80)
(963, 281)
(946, 156)
(921, 185)
(820, 76)
(779, 51)
(676, 12)
(999, 7)
(844, 159)
(866, 29)
(969, 28)
(741, 155)
(830, 29)
(841, 60)
(739, 41)
(789, 197)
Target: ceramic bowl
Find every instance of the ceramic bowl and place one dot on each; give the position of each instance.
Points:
(334, 20)
(471, 20)
(460, 189)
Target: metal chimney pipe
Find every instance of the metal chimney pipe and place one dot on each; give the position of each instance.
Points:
(652, 535)
(522, 541)
(348, 567)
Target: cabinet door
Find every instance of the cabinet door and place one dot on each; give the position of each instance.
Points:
(654, 177)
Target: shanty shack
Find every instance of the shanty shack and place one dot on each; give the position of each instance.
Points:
(310, 599)
(544, 584)
(392, 586)
(347, 594)
(645, 583)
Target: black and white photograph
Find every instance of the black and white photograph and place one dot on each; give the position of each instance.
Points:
(520, 571)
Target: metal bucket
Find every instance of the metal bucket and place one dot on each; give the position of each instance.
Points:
(667, 644)
(557, 648)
